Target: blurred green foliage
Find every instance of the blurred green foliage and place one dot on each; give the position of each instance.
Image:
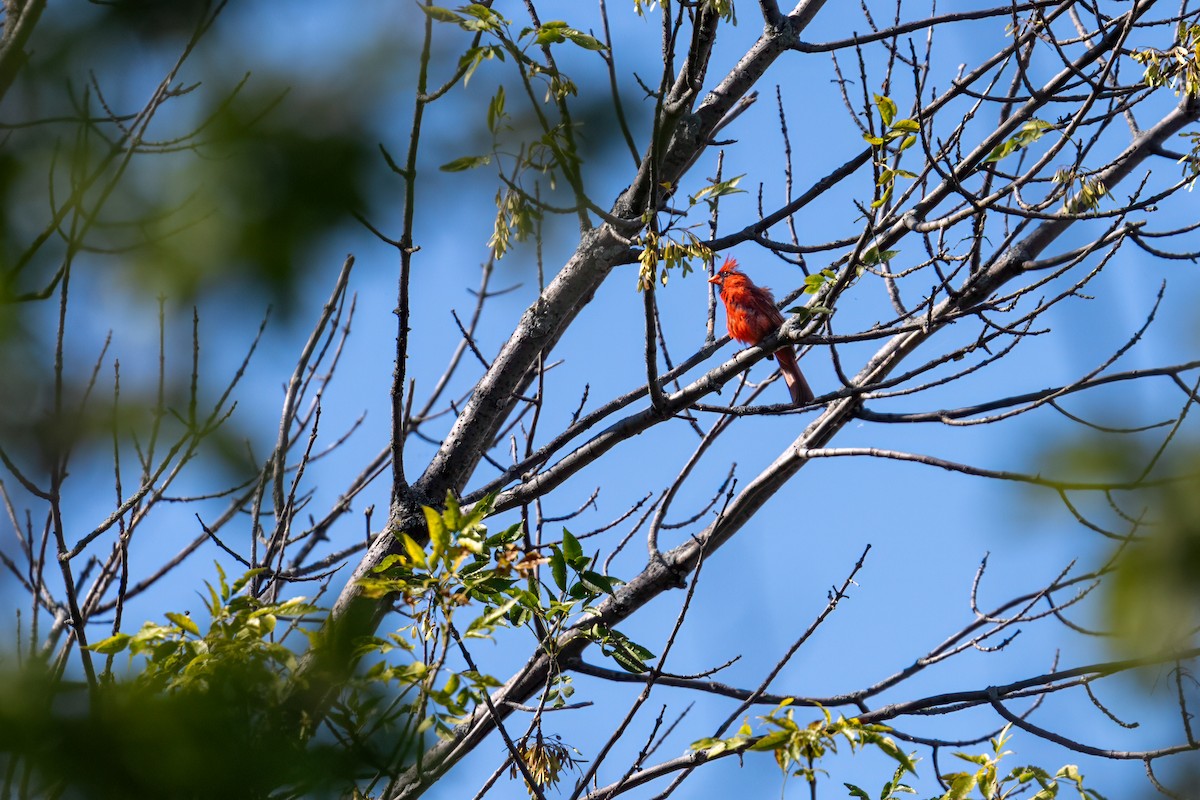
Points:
(128, 741)
(219, 713)
(119, 188)
(1151, 601)
(223, 191)
(226, 178)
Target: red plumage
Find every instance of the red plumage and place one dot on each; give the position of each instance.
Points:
(752, 316)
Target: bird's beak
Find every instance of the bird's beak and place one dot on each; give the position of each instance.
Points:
(716, 279)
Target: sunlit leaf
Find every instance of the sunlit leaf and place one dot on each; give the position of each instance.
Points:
(183, 621)
(113, 644)
(415, 552)
(772, 741)
(439, 537)
(465, 163)
(442, 14)
(887, 109)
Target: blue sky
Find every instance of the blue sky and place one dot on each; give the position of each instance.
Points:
(928, 530)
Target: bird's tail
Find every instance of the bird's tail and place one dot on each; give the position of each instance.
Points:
(801, 392)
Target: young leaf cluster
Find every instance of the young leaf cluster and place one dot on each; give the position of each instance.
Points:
(991, 784)
(179, 656)
(493, 579)
(1083, 194)
(552, 153)
(660, 254)
(1028, 133)
(545, 759)
(672, 249)
(798, 748)
(1191, 159)
(897, 136)
(1178, 67)
(581, 585)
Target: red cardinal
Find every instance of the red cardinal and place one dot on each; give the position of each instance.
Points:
(752, 316)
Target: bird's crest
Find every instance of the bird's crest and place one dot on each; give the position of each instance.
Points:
(727, 269)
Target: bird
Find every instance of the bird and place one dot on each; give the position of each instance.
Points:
(751, 314)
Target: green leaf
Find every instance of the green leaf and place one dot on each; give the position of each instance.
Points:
(183, 621)
(806, 312)
(415, 552)
(470, 61)
(1028, 773)
(719, 189)
(527, 599)
(638, 650)
(1032, 130)
(465, 163)
(972, 757)
(113, 644)
(906, 125)
(507, 536)
(1070, 772)
(552, 32)
(214, 601)
(873, 256)
(388, 562)
(164, 650)
(596, 582)
(495, 112)
(557, 32)
(772, 741)
(482, 680)
(571, 548)
(480, 11)
(583, 40)
(241, 582)
(1000, 151)
(452, 516)
(470, 522)
(484, 18)
(480, 625)
(1026, 135)
(987, 781)
(814, 282)
(296, 605)
(883, 198)
(628, 662)
(558, 568)
(961, 784)
(442, 14)
(494, 584)
(888, 746)
(439, 537)
(887, 109)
